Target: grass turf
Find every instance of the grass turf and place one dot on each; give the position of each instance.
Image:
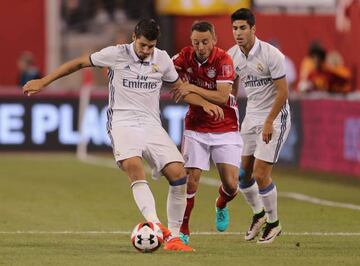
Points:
(49, 193)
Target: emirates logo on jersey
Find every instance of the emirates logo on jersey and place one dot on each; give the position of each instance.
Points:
(211, 72)
(260, 67)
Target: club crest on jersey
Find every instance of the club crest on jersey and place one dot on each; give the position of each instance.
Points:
(189, 70)
(154, 68)
(260, 67)
(211, 72)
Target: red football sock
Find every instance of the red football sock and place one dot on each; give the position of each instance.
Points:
(224, 198)
(185, 224)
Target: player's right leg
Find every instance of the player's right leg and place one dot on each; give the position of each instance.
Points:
(247, 181)
(142, 194)
(128, 143)
(250, 191)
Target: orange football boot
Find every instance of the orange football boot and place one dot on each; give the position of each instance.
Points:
(176, 244)
(166, 232)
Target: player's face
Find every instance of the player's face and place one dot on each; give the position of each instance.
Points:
(244, 35)
(143, 47)
(203, 43)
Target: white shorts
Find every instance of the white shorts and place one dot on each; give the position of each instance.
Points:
(251, 132)
(196, 149)
(149, 142)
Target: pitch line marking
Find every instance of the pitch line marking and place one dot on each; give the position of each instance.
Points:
(215, 182)
(193, 233)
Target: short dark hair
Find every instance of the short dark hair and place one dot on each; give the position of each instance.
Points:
(203, 26)
(147, 28)
(244, 14)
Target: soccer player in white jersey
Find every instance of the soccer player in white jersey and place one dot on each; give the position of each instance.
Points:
(136, 73)
(260, 70)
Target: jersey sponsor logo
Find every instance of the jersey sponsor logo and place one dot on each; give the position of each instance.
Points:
(204, 84)
(211, 72)
(140, 83)
(253, 81)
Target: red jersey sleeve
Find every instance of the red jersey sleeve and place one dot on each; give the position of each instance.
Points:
(225, 68)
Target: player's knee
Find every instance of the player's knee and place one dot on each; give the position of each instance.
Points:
(133, 168)
(192, 184)
(175, 171)
(230, 189)
(262, 180)
(245, 178)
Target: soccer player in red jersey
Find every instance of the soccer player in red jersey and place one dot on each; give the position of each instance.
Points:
(210, 72)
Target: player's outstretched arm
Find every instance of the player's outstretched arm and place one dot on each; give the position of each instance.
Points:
(36, 85)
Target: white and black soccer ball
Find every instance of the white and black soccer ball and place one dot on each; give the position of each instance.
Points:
(146, 237)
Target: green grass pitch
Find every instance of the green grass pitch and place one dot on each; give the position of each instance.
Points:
(56, 210)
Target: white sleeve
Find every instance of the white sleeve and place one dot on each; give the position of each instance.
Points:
(105, 57)
(170, 73)
(276, 64)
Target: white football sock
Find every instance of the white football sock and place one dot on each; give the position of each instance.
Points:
(176, 204)
(144, 200)
(252, 197)
(269, 199)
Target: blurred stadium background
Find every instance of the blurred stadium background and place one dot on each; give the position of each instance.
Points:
(323, 145)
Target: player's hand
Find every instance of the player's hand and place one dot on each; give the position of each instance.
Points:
(33, 86)
(180, 92)
(214, 110)
(267, 132)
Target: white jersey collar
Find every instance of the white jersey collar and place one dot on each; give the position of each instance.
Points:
(253, 49)
(147, 60)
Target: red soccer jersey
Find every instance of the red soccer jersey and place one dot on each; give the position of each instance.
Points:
(218, 68)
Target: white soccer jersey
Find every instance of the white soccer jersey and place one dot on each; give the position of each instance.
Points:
(134, 84)
(264, 64)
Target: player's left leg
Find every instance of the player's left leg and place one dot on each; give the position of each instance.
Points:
(268, 194)
(165, 159)
(176, 204)
(227, 160)
(266, 155)
(227, 192)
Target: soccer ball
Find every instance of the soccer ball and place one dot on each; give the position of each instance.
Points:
(147, 237)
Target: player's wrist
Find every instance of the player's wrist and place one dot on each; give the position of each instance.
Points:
(269, 121)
